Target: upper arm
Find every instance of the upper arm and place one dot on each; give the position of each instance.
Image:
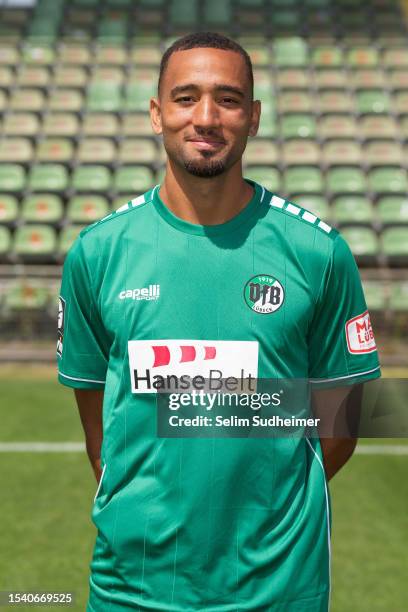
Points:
(339, 410)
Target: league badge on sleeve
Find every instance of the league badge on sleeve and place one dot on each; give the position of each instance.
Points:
(359, 334)
(60, 330)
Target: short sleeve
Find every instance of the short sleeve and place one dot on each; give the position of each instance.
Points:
(342, 348)
(82, 344)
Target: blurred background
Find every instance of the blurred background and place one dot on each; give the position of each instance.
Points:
(76, 77)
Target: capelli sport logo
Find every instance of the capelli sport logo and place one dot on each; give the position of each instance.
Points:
(264, 294)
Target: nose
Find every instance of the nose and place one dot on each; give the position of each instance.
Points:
(206, 113)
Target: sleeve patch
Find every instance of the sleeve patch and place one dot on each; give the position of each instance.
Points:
(359, 334)
(61, 320)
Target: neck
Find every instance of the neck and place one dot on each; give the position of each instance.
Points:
(205, 201)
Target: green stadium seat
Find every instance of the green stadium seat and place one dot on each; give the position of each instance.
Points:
(65, 100)
(397, 57)
(375, 295)
(33, 77)
(86, 209)
(216, 12)
(391, 209)
(363, 243)
(325, 56)
(378, 126)
(25, 296)
(267, 125)
(267, 176)
(61, 124)
(42, 208)
(66, 239)
(285, 20)
(100, 124)
(6, 77)
(352, 209)
(383, 152)
(394, 241)
(334, 101)
(300, 152)
(398, 79)
(295, 102)
(91, 178)
(8, 209)
(96, 150)
(362, 57)
(104, 97)
(334, 78)
(38, 55)
(145, 56)
(48, 177)
(112, 29)
(388, 180)
(306, 179)
(184, 14)
(291, 51)
(55, 150)
(400, 102)
(20, 124)
(70, 76)
(341, 152)
(368, 79)
(258, 152)
(28, 99)
(336, 126)
(316, 204)
(346, 179)
(112, 55)
(298, 126)
(5, 243)
(34, 243)
(9, 55)
(136, 125)
(292, 78)
(12, 177)
(399, 296)
(15, 150)
(372, 101)
(136, 179)
(142, 85)
(263, 84)
(75, 54)
(137, 151)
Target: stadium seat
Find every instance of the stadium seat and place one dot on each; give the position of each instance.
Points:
(216, 13)
(55, 150)
(48, 177)
(362, 57)
(258, 152)
(70, 76)
(86, 209)
(104, 97)
(6, 77)
(383, 153)
(400, 102)
(306, 179)
(372, 101)
(368, 79)
(352, 209)
(397, 57)
(184, 13)
(388, 180)
(259, 55)
(113, 55)
(331, 78)
(34, 243)
(5, 243)
(137, 151)
(66, 239)
(24, 295)
(375, 295)
(100, 124)
(298, 126)
(15, 150)
(20, 124)
(33, 77)
(266, 175)
(61, 124)
(292, 78)
(336, 126)
(394, 242)
(8, 209)
(399, 296)
(267, 125)
(38, 55)
(96, 150)
(334, 101)
(65, 100)
(42, 208)
(145, 56)
(346, 179)
(290, 52)
(314, 203)
(12, 177)
(136, 179)
(138, 94)
(378, 126)
(136, 125)
(107, 75)
(91, 178)
(295, 102)
(27, 99)
(398, 79)
(363, 242)
(341, 152)
(391, 209)
(75, 54)
(9, 55)
(300, 152)
(325, 56)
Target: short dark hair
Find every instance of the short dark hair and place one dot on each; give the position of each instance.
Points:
(205, 39)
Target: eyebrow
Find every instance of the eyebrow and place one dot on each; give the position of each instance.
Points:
(221, 87)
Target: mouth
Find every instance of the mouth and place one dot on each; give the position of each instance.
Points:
(207, 145)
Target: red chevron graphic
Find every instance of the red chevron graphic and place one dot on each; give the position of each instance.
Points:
(188, 353)
(161, 356)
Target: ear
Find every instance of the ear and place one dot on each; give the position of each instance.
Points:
(256, 115)
(155, 115)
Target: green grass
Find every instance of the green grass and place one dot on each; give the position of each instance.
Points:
(47, 537)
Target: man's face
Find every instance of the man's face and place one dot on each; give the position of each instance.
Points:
(205, 111)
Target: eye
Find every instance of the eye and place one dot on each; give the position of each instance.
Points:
(183, 99)
(230, 100)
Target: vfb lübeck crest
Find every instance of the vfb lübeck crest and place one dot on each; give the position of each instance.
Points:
(264, 294)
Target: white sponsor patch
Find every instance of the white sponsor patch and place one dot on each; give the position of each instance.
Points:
(152, 361)
(359, 334)
(60, 325)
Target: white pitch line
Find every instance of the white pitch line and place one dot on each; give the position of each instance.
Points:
(79, 447)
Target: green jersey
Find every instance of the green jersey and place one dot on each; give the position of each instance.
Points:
(210, 524)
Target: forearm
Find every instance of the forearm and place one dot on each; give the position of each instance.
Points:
(336, 453)
(90, 409)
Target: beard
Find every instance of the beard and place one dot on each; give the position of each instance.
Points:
(206, 169)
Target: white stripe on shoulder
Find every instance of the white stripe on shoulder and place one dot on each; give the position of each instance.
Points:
(122, 208)
(277, 201)
(139, 200)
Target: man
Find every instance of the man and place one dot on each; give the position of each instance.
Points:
(208, 272)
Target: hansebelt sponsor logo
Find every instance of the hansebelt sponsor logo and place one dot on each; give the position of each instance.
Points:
(152, 292)
(60, 325)
(264, 294)
(359, 334)
(179, 365)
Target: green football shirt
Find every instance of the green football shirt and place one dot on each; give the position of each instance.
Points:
(216, 524)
